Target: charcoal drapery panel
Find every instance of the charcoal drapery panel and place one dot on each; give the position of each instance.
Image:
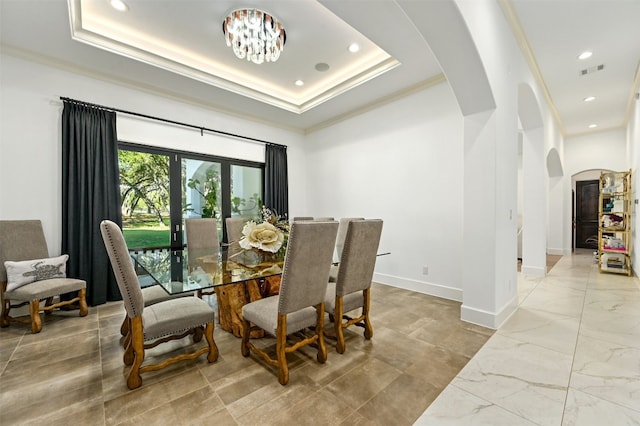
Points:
(90, 193)
(276, 181)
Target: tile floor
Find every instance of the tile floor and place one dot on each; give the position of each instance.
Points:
(570, 355)
(72, 372)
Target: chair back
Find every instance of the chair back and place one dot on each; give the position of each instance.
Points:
(306, 265)
(302, 218)
(234, 233)
(123, 269)
(322, 219)
(21, 240)
(343, 225)
(358, 258)
(202, 233)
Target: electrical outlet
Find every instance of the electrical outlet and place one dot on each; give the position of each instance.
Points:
(425, 270)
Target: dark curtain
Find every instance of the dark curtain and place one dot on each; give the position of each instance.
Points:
(276, 182)
(90, 193)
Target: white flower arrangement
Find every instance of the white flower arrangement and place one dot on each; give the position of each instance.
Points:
(262, 236)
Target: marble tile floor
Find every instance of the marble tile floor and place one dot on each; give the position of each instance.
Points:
(72, 372)
(570, 355)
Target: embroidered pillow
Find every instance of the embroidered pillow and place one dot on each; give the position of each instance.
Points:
(28, 271)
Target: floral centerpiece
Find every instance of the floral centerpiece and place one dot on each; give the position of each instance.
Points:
(268, 237)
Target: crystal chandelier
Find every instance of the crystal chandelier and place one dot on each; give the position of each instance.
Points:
(254, 34)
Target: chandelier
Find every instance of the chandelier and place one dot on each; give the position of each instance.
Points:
(254, 34)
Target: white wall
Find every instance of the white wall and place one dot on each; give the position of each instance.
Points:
(30, 137)
(600, 150)
(633, 148)
(402, 163)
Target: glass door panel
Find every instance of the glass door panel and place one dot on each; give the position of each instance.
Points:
(246, 190)
(201, 191)
(144, 190)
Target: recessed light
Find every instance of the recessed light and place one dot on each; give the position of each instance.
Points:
(322, 67)
(584, 55)
(119, 5)
(593, 126)
(299, 83)
(353, 47)
(589, 98)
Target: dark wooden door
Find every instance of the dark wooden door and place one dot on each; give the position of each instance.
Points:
(587, 195)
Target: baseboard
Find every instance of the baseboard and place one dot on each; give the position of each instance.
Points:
(559, 251)
(423, 287)
(489, 319)
(534, 271)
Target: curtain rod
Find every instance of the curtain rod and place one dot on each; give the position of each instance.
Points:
(151, 117)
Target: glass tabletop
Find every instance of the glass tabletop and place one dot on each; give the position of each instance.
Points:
(181, 271)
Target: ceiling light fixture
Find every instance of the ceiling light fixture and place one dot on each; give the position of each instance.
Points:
(585, 55)
(589, 99)
(593, 126)
(299, 83)
(119, 5)
(353, 47)
(254, 34)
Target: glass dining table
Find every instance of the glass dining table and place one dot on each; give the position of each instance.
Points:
(236, 277)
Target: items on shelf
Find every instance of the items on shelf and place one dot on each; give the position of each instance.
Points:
(614, 230)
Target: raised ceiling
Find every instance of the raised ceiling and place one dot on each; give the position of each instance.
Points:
(176, 47)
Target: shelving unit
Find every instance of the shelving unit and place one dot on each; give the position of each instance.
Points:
(614, 230)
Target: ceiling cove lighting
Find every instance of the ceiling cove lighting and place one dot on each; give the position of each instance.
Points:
(589, 99)
(254, 35)
(119, 5)
(585, 55)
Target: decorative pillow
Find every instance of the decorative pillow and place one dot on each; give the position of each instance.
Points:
(28, 271)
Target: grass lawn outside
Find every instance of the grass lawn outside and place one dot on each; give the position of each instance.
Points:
(141, 237)
(145, 231)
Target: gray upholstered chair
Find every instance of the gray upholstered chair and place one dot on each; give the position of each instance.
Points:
(158, 323)
(352, 289)
(21, 241)
(323, 219)
(300, 303)
(234, 233)
(202, 233)
(302, 218)
(343, 225)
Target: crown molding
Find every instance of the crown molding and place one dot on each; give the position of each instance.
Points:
(134, 85)
(525, 48)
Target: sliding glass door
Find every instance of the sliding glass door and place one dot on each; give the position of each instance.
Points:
(161, 188)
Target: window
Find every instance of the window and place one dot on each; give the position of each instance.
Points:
(161, 188)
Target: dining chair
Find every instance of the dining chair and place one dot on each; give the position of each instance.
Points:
(343, 225)
(352, 289)
(158, 323)
(300, 303)
(302, 218)
(28, 275)
(202, 234)
(234, 233)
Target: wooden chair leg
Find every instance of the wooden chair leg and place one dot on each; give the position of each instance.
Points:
(368, 328)
(48, 303)
(134, 380)
(322, 349)
(213, 349)
(36, 322)
(6, 307)
(244, 345)
(82, 295)
(281, 343)
(197, 334)
(337, 313)
(124, 328)
(129, 355)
